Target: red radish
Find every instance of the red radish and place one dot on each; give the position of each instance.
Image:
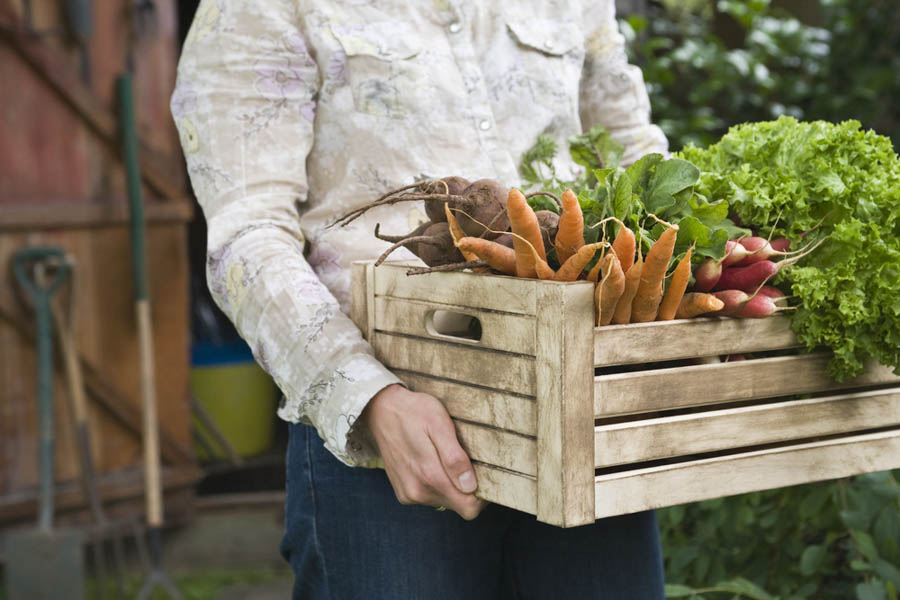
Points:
(780, 244)
(706, 276)
(734, 300)
(748, 278)
(771, 291)
(758, 307)
(735, 252)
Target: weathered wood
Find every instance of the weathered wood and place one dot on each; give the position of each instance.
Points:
(679, 387)
(669, 485)
(684, 338)
(488, 292)
(506, 488)
(157, 169)
(650, 439)
(477, 404)
(489, 368)
(563, 372)
(359, 301)
(499, 331)
(72, 215)
(505, 449)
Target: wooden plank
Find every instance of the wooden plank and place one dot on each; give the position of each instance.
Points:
(684, 338)
(564, 372)
(359, 305)
(64, 215)
(651, 439)
(496, 447)
(669, 485)
(499, 331)
(488, 292)
(506, 488)
(679, 387)
(156, 168)
(487, 368)
(479, 405)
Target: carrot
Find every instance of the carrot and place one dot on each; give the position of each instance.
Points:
(649, 293)
(610, 289)
(570, 231)
(677, 285)
(697, 303)
(524, 224)
(497, 256)
(457, 233)
(623, 246)
(572, 268)
(622, 314)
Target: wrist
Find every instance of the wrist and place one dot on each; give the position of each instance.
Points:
(382, 397)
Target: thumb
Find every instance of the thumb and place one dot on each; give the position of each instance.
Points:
(454, 459)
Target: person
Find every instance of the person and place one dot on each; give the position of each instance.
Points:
(291, 113)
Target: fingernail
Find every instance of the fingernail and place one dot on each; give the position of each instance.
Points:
(467, 481)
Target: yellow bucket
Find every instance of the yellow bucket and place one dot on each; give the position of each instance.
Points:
(238, 395)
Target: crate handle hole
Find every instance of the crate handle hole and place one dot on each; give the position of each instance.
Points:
(454, 325)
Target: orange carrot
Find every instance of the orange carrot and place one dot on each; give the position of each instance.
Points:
(649, 293)
(457, 234)
(632, 279)
(570, 233)
(542, 269)
(524, 223)
(623, 246)
(697, 303)
(572, 268)
(677, 285)
(499, 257)
(609, 290)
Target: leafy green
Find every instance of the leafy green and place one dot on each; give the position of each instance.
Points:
(790, 178)
(651, 187)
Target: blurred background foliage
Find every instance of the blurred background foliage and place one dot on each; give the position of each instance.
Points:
(709, 65)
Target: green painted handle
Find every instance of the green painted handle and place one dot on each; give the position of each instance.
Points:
(133, 179)
(41, 293)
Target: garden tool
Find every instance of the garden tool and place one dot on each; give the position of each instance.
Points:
(80, 24)
(152, 475)
(102, 529)
(45, 563)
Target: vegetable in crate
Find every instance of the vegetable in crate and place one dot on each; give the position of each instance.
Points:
(845, 182)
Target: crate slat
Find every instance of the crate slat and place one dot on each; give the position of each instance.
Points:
(563, 373)
(506, 488)
(670, 485)
(684, 338)
(488, 368)
(651, 439)
(679, 387)
(479, 405)
(499, 331)
(489, 292)
(500, 448)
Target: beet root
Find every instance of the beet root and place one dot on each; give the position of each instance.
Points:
(549, 224)
(452, 185)
(483, 214)
(434, 246)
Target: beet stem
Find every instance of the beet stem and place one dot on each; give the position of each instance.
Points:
(416, 239)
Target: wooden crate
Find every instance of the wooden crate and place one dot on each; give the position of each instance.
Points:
(574, 423)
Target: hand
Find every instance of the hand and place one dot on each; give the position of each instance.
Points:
(423, 459)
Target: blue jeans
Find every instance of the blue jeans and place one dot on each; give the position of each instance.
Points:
(348, 538)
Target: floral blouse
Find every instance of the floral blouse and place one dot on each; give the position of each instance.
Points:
(292, 112)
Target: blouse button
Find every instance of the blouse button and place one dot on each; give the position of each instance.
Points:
(548, 44)
(455, 27)
(484, 124)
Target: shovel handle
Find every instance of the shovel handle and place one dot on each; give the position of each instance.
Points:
(40, 292)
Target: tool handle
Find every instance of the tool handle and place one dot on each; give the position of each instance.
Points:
(133, 179)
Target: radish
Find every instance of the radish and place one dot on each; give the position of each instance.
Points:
(781, 244)
(758, 307)
(706, 276)
(771, 291)
(759, 249)
(734, 300)
(748, 278)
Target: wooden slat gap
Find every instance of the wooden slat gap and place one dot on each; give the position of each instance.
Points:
(399, 373)
(524, 436)
(454, 307)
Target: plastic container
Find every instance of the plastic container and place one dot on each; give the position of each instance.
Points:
(238, 395)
